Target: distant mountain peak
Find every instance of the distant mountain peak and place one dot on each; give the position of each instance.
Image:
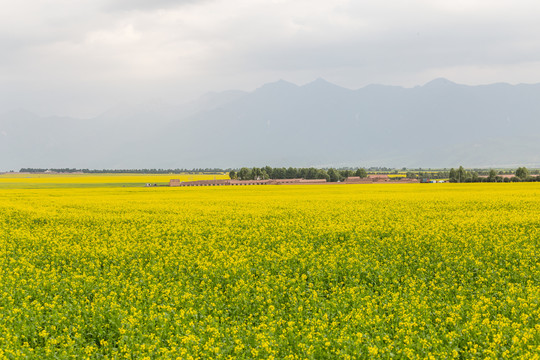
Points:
(280, 85)
(322, 81)
(321, 84)
(439, 82)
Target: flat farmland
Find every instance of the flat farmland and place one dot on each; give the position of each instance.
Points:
(40, 181)
(412, 271)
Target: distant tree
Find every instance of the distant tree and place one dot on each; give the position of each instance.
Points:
(291, 173)
(269, 171)
(344, 174)
(492, 175)
(361, 173)
(311, 173)
(333, 175)
(453, 175)
(232, 174)
(322, 174)
(256, 173)
(522, 173)
(278, 173)
(461, 174)
(244, 174)
(411, 175)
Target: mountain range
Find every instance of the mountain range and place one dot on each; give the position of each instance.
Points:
(439, 124)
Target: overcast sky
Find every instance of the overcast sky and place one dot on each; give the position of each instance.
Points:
(80, 58)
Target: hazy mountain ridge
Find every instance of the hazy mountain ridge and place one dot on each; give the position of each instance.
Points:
(440, 124)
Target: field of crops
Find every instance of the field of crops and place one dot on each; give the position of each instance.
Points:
(431, 271)
(18, 180)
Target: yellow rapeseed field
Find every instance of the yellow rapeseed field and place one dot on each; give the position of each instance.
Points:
(411, 271)
(55, 180)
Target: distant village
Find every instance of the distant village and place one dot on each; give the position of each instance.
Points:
(370, 179)
(307, 176)
(311, 176)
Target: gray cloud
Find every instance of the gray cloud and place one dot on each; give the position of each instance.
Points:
(95, 53)
(146, 5)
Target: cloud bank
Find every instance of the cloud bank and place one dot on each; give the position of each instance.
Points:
(79, 58)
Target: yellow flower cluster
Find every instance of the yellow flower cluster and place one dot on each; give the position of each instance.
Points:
(410, 271)
(19, 180)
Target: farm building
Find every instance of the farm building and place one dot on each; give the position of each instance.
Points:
(371, 179)
(177, 182)
(379, 177)
(358, 180)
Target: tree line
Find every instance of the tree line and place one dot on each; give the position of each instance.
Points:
(460, 175)
(329, 174)
(267, 172)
